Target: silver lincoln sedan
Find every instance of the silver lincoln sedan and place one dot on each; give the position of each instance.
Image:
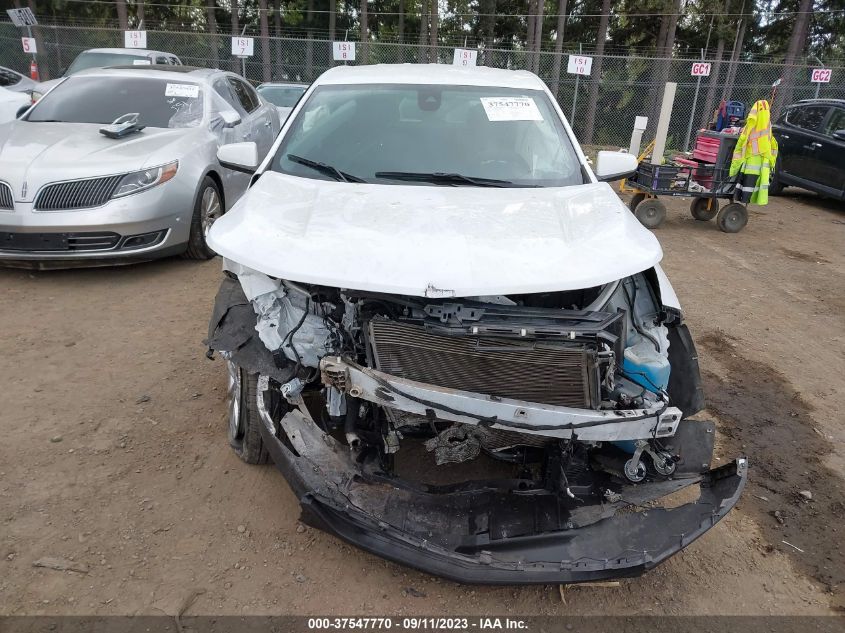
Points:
(118, 165)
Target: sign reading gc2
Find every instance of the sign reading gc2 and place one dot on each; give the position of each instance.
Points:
(820, 76)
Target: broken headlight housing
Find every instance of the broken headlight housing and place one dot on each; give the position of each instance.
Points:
(145, 179)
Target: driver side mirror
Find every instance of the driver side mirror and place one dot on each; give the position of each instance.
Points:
(230, 118)
(611, 166)
(839, 135)
(242, 157)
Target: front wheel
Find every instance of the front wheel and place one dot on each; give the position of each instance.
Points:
(651, 213)
(243, 417)
(704, 209)
(732, 218)
(208, 207)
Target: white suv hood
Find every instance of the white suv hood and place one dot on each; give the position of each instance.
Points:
(434, 241)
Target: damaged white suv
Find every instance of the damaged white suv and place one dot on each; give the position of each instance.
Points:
(455, 342)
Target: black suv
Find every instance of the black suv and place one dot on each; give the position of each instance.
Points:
(811, 142)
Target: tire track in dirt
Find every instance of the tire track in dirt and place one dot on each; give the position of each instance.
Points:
(767, 420)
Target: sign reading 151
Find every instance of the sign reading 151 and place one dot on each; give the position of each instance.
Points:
(243, 46)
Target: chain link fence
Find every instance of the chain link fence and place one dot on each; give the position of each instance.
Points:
(620, 87)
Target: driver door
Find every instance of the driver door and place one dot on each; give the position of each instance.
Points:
(234, 182)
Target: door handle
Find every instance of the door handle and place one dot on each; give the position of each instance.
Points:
(786, 136)
(817, 145)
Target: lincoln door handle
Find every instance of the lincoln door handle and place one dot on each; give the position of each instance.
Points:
(785, 136)
(817, 145)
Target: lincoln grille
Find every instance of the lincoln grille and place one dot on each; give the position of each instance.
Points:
(542, 372)
(42, 242)
(76, 194)
(6, 201)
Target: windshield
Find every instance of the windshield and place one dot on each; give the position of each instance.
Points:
(282, 96)
(430, 135)
(101, 60)
(102, 99)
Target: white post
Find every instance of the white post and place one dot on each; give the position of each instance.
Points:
(575, 97)
(663, 123)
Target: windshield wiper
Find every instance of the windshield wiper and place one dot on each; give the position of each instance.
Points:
(440, 178)
(329, 170)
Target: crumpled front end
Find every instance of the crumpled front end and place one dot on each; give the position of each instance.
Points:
(498, 439)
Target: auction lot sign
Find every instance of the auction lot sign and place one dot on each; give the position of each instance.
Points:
(243, 46)
(343, 51)
(579, 65)
(135, 39)
(820, 75)
(700, 69)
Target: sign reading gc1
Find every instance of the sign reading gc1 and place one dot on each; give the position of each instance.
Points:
(700, 69)
(820, 76)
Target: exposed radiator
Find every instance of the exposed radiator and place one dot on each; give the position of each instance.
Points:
(543, 372)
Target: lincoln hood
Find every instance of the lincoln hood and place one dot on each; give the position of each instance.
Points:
(434, 241)
(40, 153)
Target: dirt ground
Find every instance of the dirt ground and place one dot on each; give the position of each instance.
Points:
(114, 450)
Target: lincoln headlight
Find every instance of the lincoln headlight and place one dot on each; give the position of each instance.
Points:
(145, 179)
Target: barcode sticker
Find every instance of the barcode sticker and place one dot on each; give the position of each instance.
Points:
(182, 90)
(511, 109)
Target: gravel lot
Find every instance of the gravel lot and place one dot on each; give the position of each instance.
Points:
(114, 452)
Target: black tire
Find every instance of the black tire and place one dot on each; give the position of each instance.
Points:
(775, 185)
(732, 218)
(243, 417)
(651, 213)
(700, 211)
(202, 219)
(635, 200)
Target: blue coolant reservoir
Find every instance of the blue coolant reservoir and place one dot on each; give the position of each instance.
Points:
(646, 366)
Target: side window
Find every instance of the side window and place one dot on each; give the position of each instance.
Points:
(808, 118)
(836, 121)
(244, 94)
(221, 87)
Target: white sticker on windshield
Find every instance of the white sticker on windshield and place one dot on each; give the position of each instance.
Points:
(141, 62)
(511, 109)
(182, 90)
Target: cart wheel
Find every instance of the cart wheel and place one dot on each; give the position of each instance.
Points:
(651, 213)
(732, 218)
(700, 210)
(635, 200)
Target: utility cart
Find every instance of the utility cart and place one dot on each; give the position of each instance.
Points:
(704, 178)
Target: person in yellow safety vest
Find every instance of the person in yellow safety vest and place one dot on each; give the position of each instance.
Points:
(754, 156)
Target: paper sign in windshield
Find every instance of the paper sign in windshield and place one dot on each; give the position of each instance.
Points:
(141, 62)
(511, 109)
(182, 90)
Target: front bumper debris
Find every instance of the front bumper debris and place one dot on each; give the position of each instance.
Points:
(492, 532)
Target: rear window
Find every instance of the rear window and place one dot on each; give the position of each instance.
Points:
(8, 78)
(282, 96)
(101, 60)
(166, 103)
